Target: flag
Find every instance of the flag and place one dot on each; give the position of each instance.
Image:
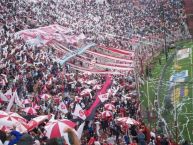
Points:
(176, 95)
(3, 97)
(183, 53)
(17, 100)
(62, 107)
(11, 102)
(90, 113)
(79, 112)
(183, 91)
(179, 77)
(8, 94)
(80, 130)
(186, 91)
(103, 97)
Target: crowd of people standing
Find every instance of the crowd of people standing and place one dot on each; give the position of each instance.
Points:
(32, 71)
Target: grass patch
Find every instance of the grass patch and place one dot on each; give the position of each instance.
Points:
(185, 107)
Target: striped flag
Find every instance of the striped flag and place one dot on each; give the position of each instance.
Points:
(90, 113)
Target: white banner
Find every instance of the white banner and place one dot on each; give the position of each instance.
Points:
(17, 100)
(184, 53)
(62, 107)
(79, 112)
(11, 102)
(104, 97)
(80, 130)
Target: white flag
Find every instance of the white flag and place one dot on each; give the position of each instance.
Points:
(11, 102)
(183, 53)
(80, 130)
(103, 97)
(17, 100)
(8, 94)
(3, 97)
(62, 107)
(79, 112)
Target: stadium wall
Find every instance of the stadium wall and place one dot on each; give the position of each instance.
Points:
(188, 5)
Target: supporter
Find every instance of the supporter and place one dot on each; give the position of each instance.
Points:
(141, 137)
(3, 138)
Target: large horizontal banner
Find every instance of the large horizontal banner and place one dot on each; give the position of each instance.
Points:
(109, 66)
(108, 56)
(119, 51)
(44, 35)
(85, 70)
(78, 51)
(115, 63)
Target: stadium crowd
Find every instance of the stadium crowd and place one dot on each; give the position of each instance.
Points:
(32, 72)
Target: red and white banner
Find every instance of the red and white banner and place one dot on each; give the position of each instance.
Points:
(17, 100)
(96, 54)
(3, 97)
(45, 35)
(85, 70)
(62, 107)
(8, 94)
(109, 66)
(110, 63)
(11, 101)
(104, 97)
(90, 113)
(79, 112)
(120, 51)
(126, 65)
